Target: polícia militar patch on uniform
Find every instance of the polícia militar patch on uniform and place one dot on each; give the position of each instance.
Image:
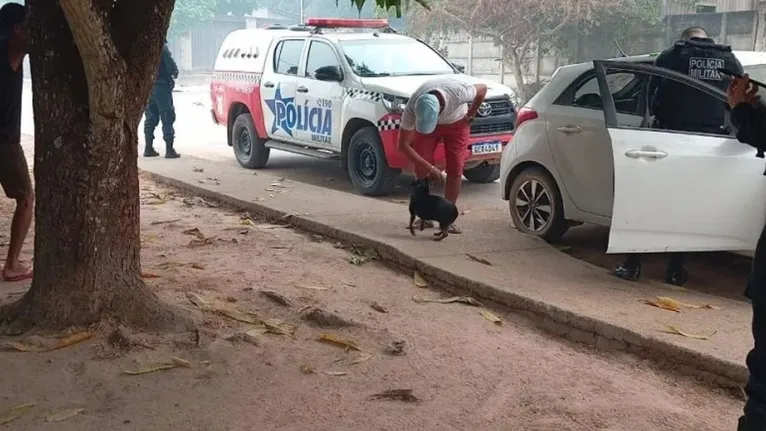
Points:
(706, 68)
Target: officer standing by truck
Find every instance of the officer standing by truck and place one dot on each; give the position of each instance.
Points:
(160, 107)
(748, 116)
(677, 106)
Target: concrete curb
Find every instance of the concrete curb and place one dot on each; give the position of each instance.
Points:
(553, 319)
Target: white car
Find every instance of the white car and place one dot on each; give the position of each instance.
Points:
(335, 89)
(583, 153)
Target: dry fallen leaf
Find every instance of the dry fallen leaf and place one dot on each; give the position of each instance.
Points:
(332, 339)
(395, 348)
(665, 305)
(198, 170)
(307, 369)
(168, 265)
(277, 326)
(149, 274)
(71, 340)
(150, 238)
(670, 329)
(197, 265)
(15, 412)
(246, 221)
(362, 358)
(150, 369)
(201, 242)
(419, 280)
(462, 299)
(63, 415)
(20, 347)
(679, 304)
(154, 223)
(311, 287)
(395, 394)
(491, 317)
(335, 373)
(194, 232)
(377, 307)
(479, 259)
(241, 316)
(276, 297)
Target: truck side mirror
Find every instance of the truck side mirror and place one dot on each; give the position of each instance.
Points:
(329, 73)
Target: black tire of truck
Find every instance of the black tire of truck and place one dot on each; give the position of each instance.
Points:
(482, 174)
(249, 149)
(367, 165)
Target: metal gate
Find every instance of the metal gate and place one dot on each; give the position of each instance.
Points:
(206, 40)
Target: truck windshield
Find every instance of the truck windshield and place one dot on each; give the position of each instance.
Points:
(371, 58)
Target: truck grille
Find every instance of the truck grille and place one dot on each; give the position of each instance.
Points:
(494, 128)
(500, 107)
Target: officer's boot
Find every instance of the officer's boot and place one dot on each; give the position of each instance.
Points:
(149, 148)
(170, 153)
(629, 269)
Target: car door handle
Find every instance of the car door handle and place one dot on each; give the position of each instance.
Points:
(570, 129)
(637, 154)
(302, 89)
(268, 84)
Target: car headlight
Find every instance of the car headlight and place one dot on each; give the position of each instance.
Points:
(394, 104)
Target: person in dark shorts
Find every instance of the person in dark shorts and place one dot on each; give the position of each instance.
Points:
(14, 172)
(160, 107)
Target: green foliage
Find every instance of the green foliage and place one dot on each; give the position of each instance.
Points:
(386, 5)
(189, 13)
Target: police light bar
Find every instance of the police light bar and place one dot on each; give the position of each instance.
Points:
(347, 23)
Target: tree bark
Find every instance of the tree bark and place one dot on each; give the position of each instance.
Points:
(93, 63)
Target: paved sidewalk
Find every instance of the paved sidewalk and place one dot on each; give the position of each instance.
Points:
(567, 296)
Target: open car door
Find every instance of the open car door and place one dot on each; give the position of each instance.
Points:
(680, 191)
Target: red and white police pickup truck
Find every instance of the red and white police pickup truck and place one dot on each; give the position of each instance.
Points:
(335, 89)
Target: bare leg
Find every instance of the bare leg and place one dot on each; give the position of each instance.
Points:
(22, 218)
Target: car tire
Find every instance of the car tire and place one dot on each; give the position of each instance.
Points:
(249, 149)
(367, 165)
(482, 174)
(536, 205)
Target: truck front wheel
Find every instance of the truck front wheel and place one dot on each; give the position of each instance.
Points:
(367, 165)
(249, 149)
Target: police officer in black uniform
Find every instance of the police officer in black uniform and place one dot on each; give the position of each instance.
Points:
(748, 115)
(160, 107)
(676, 106)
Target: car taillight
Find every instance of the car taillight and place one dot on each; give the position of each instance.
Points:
(524, 115)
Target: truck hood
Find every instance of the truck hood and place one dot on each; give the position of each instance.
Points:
(404, 86)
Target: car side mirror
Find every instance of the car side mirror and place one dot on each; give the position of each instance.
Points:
(459, 67)
(329, 73)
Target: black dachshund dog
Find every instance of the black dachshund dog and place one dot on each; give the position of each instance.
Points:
(430, 207)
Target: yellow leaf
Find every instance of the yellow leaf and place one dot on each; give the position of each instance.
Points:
(150, 238)
(419, 280)
(335, 373)
(71, 340)
(491, 317)
(150, 369)
(674, 330)
(63, 415)
(15, 413)
(247, 222)
(240, 315)
(332, 339)
(665, 305)
(20, 347)
(679, 304)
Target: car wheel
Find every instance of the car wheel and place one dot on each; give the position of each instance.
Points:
(482, 174)
(367, 165)
(249, 149)
(536, 205)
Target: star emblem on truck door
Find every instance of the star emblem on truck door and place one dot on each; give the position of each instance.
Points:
(278, 106)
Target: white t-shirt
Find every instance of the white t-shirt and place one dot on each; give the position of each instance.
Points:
(456, 94)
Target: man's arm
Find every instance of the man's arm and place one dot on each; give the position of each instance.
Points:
(476, 100)
(170, 64)
(407, 135)
(750, 122)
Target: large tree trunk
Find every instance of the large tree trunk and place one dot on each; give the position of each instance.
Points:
(93, 64)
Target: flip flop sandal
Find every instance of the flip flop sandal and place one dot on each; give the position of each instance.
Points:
(454, 229)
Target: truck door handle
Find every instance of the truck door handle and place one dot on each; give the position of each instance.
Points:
(268, 84)
(637, 154)
(570, 129)
(302, 89)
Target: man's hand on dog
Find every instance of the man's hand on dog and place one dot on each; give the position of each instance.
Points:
(436, 174)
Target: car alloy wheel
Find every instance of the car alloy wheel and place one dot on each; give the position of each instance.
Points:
(533, 205)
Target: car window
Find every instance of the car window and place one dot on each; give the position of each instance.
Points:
(320, 55)
(393, 57)
(627, 90)
(287, 56)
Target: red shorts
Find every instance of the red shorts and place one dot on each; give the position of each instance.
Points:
(455, 138)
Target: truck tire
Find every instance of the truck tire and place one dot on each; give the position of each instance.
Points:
(482, 174)
(536, 205)
(249, 149)
(367, 165)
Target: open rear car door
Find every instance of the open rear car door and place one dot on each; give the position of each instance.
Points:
(680, 191)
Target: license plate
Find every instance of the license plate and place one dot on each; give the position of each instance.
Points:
(486, 148)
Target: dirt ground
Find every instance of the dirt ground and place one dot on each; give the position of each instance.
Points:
(465, 371)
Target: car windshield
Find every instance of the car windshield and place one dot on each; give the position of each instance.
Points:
(386, 57)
